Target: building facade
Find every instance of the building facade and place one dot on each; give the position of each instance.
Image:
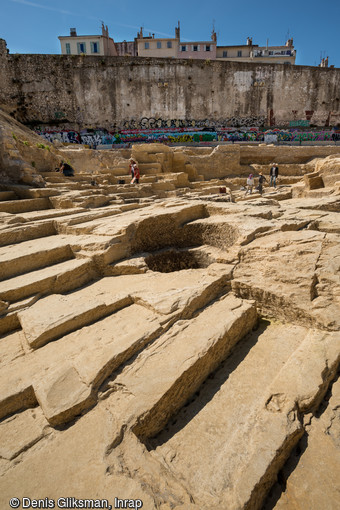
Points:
(74, 44)
(149, 46)
(261, 54)
(126, 48)
(199, 49)
(173, 47)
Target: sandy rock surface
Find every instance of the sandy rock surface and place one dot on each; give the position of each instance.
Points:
(182, 350)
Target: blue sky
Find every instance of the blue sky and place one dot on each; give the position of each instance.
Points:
(33, 26)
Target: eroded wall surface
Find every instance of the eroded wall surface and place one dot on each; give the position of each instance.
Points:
(115, 92)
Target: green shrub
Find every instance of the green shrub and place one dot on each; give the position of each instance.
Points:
(42, 146)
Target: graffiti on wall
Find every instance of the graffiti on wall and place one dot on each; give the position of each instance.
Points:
(270, 138)
(95, 137)
(158, 123)
(63, 136)
(299, 123)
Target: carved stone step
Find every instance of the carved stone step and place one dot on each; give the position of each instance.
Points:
(58, 278)
(170, 372)
(250, 420)
(31, 255)
(97, 349)
(19, 206)
(56, 315)
(7, 195)
(17, 234)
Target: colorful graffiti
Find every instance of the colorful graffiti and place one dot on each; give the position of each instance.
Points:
(299, 123)
(95, 137)
(158, 123)
(303, 136)
(64, 136)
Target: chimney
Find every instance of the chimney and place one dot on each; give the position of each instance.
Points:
(73, 32)
(177, 32)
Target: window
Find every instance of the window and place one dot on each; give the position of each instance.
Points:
(68, 48)
(146, 45)
(183, 48)
(239, 53)
(169, 44)
(81, 47)
(195, 47)
(207, 47)
(159, 44)
(225, 54)
(94, 47)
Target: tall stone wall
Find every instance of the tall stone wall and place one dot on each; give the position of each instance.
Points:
(78, 92)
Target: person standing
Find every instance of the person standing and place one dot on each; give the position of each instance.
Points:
(250, 184)
(137, 174)
(273, 174)
(132, 168)
(262, 179)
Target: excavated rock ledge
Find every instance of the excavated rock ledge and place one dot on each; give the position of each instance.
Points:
(175, 350)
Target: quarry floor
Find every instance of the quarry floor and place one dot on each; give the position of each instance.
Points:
(182, 353)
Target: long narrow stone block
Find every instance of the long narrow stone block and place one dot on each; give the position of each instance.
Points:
(7, 195)
(58, 278)
(177, 365)
(114, 340)
(17, 234)
(30, 204)
(18, 260)
(251, 424)
(57, 315)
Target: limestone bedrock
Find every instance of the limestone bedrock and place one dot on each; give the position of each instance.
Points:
(169, 342)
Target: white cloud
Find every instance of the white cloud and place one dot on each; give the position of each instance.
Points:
(46, 7)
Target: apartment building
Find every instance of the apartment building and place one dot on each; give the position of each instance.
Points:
(199, 49)
(151, 46)
(75, 44)
(172, 47)
(250, 52)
